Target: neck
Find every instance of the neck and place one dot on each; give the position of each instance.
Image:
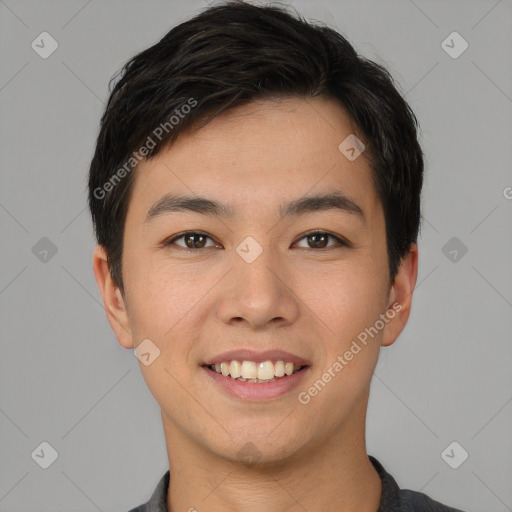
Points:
(332, 474)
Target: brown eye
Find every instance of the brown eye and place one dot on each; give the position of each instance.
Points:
(320, 240)
(193, 240)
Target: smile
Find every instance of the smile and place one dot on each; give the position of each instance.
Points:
(251, 381)
(250, 371)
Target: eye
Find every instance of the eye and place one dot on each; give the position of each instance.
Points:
(193, 240)
(319, 240)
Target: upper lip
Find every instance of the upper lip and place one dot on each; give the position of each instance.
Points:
(257, 357)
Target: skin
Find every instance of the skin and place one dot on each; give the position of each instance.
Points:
(310, 301)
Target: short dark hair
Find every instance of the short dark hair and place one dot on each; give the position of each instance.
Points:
(227, 56)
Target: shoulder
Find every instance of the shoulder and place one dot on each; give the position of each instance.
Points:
(158, 500)
(394, 499)
(412, 501)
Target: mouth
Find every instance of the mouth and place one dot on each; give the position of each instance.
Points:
(255, 373)
(260, 380)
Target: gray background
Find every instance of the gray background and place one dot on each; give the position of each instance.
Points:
(64, 378)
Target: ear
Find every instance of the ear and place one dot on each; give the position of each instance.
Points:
(400, 296)
(113, 300)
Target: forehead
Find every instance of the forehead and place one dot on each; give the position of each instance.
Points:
(258, 155)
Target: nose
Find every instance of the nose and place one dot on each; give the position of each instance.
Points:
(259, 293)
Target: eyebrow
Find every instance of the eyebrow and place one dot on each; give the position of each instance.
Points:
(171, 203)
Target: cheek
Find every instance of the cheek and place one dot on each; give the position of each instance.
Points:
(347, 304)
(168, 303)
(154, 289)
(351, 305)
(158, 306)
(345, 299)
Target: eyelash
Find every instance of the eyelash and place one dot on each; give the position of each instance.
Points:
(341, 242)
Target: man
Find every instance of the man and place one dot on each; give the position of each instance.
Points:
(255, 193)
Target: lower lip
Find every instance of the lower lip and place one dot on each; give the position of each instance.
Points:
(257, 391)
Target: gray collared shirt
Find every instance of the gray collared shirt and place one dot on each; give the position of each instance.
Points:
(393, 499)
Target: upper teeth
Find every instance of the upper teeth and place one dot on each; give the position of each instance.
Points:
(251, 370)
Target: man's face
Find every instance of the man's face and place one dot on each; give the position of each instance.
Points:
(308, 295)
